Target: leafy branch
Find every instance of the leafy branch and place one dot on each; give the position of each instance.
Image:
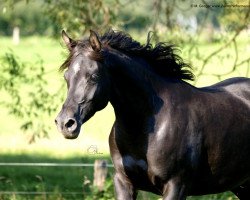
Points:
(226, 45)
(27, 98)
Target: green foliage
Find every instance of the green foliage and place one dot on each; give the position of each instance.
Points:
(27, 15)
(64, 183)
(106, 194)
(51, 183)
(141, 18)
(79, 16)
(235, 18)
(33, 105)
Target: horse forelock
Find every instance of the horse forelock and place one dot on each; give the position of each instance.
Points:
(81, 46)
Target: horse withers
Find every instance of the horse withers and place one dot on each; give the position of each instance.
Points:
(169, 137)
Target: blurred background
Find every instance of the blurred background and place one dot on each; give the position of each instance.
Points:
(212, 35)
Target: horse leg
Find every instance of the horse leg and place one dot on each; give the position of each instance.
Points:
(242, 192)
(124, 188)
(174, 191)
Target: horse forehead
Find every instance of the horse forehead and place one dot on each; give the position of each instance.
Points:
(76, 67)
(78, 63)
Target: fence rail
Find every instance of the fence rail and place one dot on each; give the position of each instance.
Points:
(52, 164)
(37, 193)
(100, 174)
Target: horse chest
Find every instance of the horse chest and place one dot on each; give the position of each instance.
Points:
(131, 164)
(137, 171)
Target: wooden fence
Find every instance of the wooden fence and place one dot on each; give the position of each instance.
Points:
(100, 173)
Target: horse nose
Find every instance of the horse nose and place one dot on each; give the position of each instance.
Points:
(58, 123)
(70, 125)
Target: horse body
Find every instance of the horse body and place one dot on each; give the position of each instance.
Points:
(195, 143)
(169, 137)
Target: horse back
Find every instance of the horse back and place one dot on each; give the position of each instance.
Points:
(235, 86)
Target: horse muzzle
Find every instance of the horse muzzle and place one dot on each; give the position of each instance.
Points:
(69, 127)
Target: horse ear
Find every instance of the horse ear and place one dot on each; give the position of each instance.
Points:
(70, 43)
(94, 41)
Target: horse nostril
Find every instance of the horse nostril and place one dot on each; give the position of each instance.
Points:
(56, 121)
(71, 124)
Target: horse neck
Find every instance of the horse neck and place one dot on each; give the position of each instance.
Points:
(133, 94)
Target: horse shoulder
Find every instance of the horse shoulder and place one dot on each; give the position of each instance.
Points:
(177, 137)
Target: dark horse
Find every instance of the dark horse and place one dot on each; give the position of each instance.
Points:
(169, 137)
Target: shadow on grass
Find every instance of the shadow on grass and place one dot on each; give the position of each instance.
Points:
(63, 182)
(53, 182)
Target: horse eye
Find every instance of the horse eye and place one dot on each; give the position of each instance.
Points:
(81, 102)
(94, 77)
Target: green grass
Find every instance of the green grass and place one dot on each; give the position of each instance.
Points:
(31, 48)
(71, 183)
(62, 181)
(14, 144)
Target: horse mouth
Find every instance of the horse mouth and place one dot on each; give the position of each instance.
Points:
(71, 134)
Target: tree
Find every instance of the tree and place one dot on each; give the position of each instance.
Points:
(25, 15)
(78, 16)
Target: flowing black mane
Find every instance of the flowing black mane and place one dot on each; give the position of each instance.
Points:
(162, 57)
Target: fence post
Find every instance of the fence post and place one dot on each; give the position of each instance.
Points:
(100, 174)
(16, 35)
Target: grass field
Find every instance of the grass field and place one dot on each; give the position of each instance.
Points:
(14, 145)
